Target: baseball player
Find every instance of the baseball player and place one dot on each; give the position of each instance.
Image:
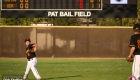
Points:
(135, 51)
(32, 61)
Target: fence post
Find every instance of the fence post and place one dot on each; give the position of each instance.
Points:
(120, 19)
(87, 21)
(16, 21)
(16, 36)
(53, 38)
(36, 34)
(87, 37)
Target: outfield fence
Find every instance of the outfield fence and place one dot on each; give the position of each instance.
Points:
(66, 41)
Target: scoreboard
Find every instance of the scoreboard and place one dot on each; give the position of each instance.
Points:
(51, 4)
(69, 8)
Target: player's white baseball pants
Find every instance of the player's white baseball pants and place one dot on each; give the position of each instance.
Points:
(136, 67)
(31, 65)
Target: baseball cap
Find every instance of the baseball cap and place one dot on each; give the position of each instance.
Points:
(27, 40)
(136, 27)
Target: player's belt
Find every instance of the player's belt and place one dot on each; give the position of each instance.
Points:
(30, 59)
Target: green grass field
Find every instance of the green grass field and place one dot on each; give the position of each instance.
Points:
(70, 68)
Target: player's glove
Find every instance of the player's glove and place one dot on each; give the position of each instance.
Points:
(30, 46)
(130, 59)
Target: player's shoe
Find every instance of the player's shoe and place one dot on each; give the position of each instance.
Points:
(25, 77)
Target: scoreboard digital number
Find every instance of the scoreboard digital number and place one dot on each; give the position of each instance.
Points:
(51, 5)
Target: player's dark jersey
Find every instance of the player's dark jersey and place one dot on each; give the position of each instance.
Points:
(30, 54)
(135, 42)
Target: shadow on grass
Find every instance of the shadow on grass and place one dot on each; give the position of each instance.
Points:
(61, 77)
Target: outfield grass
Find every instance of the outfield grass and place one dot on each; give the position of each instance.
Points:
(70, 68)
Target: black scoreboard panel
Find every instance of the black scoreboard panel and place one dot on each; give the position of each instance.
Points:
(51, 4)
(101, 9)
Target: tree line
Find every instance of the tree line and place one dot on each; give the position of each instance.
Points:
(73, 21)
